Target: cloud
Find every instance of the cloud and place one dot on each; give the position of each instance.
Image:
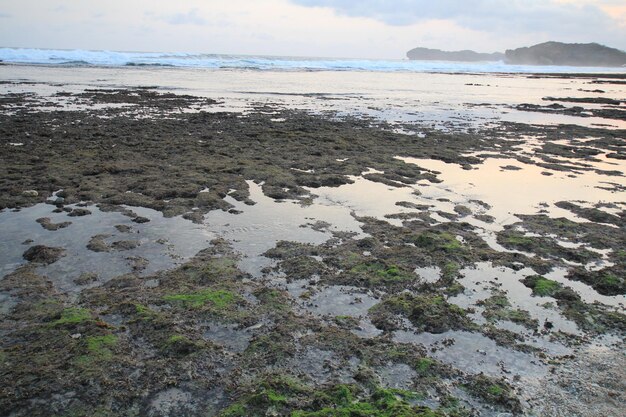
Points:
(486, 15)
(192, 17)
(338, 28)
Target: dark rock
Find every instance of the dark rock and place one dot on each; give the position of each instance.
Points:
(510, 168)
(47, 224)
(43, 254)
(30, 193)
(97, 244)
(79, 212)
(195, 216)
(122, 228)
(125, 244)
(86, 278)
(137, 263)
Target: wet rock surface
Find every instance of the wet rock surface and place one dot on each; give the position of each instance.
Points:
(43, 254)
(431, 303)
(48, 225)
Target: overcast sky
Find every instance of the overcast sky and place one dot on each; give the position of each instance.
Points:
(341, 28)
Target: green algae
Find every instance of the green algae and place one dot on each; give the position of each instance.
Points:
(181, 345)
(144, 312)
(437, 241)
(424, 365)
(379, 272)
(430, 313)
(220, 267)
(450, 270)
(497, 307)
(341, 400)
(73, 315)
(99, 352)
(100, 346)
(273, 301)
(494, 391)
(541, 286)
(218, 299)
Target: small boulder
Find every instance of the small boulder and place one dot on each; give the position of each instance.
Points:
(43, 254)
(47, 224)
(86, 278)
(122, 245)
(79, 212)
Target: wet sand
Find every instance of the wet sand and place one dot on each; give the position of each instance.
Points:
(164, 257)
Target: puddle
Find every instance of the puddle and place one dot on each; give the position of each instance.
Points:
(7, 302)
(484, 275)
(176, 402)
(336, 300)
(366, 329)
(586, 292)
(397, 376)
(366, 198)
(163, 243)
(323, 366)
(259, 227)
(229, 336)
(171, 402)
(519, 191)
(340, 301)
(481, 279)
(474, 353)
(429, 274)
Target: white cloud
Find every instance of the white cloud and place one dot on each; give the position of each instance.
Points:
(271, 27)
(576, 20)
(192, 17)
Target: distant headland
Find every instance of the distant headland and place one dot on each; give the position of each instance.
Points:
(547, 53)
(426, 54)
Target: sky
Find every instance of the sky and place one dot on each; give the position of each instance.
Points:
(322, 28)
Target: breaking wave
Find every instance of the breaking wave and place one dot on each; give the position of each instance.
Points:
(79, 57)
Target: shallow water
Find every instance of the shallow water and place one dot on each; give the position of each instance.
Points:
(259, 227)
(163, 243)
(447, 101)
(521, 191)
(475, 353)
(482, 279)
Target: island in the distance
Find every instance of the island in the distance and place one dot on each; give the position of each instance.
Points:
(547, 53)
(426, 54)
(571, 54)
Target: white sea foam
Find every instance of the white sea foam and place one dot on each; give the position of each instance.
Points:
(111, 58)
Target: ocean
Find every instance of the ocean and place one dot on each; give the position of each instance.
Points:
(443, 95)
(78, 57)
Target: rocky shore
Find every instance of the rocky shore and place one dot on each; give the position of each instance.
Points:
(167, 319)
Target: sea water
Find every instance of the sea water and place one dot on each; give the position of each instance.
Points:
(447, 99)
(203, 60)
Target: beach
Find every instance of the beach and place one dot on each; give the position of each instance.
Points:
(195, 241)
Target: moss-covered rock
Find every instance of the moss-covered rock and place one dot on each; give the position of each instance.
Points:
(429, 313)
